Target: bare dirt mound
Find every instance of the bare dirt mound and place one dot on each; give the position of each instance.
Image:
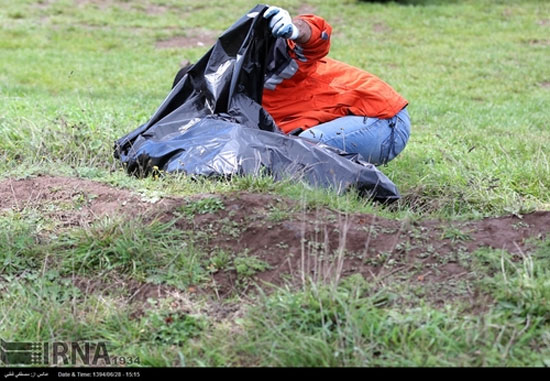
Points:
(294, 240)
(72, 201)
(326, 245)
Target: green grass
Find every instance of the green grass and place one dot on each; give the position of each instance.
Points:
(77, 75)
(75, 78)
(356, 324)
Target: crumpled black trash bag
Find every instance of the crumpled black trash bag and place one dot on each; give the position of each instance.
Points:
(212, 124)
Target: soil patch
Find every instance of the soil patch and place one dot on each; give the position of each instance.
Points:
(132, 290)
(306, 9)
(381, 27)
(539, 42)
(103, 4)
(192, 39)
(144, 7)
(139, 294)
(156, 9)
(74, 202)
(294, 240)
(326, 245)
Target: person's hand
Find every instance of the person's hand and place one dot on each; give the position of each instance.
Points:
(281, 23)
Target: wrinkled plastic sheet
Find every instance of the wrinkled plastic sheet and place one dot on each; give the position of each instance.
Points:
(212, 124)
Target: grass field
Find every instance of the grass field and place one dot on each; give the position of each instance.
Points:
(180, 288)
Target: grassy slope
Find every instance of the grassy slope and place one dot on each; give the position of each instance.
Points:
(76, 75)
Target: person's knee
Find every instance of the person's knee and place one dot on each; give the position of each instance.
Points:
(378, 141)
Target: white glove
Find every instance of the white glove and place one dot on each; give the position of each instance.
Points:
(281, 23)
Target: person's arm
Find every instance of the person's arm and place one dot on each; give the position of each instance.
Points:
(306, 41)
(304, 31)
(313, 41)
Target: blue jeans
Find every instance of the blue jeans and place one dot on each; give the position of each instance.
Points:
(377, 140)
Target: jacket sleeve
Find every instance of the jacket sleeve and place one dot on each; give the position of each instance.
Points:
(289, 63)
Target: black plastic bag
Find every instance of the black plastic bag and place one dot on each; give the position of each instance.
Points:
(212, 124)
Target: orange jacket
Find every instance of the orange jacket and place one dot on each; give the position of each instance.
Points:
(304, 88)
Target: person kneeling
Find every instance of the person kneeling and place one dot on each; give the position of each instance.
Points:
(320, 98)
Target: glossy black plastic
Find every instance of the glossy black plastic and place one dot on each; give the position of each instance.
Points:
(212, 124)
